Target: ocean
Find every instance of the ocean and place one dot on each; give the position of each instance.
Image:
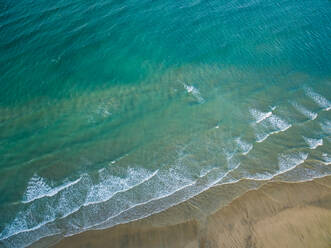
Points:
(111, 111)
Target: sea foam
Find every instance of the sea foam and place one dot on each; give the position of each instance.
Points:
(313, 143)
(288, 162)
(194, 91)
(110, 185)
(319, 99)
(326, 126)
(309, 114)
(276, 124)
(244, 146)
(259, 115)
(326, 158)
(69, 198)
(38, 188)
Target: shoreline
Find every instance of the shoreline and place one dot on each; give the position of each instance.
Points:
(274, 214)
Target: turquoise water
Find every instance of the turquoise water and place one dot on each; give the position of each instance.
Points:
(111, 111)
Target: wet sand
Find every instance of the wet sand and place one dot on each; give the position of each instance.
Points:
(272, 214)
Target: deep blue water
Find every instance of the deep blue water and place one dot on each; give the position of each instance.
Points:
(113, 110)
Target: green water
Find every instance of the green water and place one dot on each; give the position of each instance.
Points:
(114, 110)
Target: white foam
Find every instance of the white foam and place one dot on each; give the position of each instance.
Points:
(36, 214)
(107, 188)
(288, 162)
(112, 185)
(229, 154)
(326, 126)
(172, 191)
(103, 111)
(134, 206)
(189, 88)
(319, 99)
(313, 143)
(170, 184)
(227, 173)
(107, 223)
(204, 171)
(28, 238)
(277, 124)
(20, 224)
(118, 159)
(38, 188)
(260, 176)
(260, 138)
(259, 116)
(17, 225)
(309, 114)
(200, 189)
(25, 223)
(245, 147)
(326, 158)
(194, 91)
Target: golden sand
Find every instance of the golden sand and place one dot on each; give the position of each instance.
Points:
(275, 214)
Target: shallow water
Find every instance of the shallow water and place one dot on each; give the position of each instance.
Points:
(111, 111)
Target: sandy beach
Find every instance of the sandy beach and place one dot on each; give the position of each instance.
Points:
(165, 124)
(274, 214)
